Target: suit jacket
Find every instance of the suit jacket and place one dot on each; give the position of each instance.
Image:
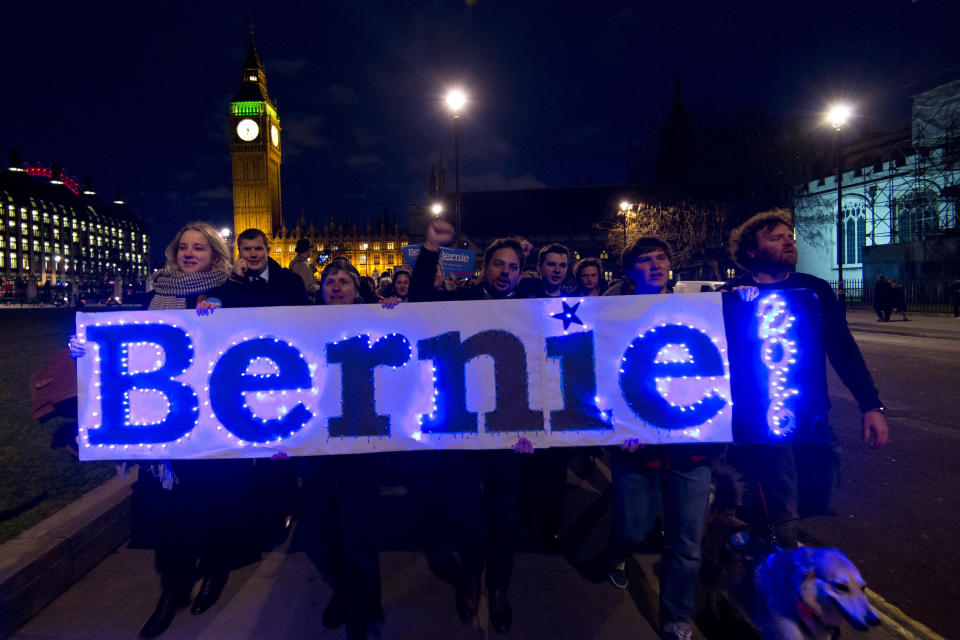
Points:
(283, 288)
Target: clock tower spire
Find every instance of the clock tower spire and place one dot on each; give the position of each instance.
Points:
(255, 151)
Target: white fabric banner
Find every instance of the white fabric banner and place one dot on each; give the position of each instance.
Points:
(439, 375)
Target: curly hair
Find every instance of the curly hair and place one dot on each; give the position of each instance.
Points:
(220, 255)
(583, 264)
(743, 239)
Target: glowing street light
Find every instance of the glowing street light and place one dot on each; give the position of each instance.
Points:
(225, 232)
(456, 99)
(437, 208)
(837, 116)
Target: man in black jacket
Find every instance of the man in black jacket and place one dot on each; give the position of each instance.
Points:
(798, 480)
(477, 482)
(258, 280)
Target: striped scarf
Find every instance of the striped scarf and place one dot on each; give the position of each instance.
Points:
(172, 288)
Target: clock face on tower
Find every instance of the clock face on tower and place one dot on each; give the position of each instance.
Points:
(274, 135)
(247, 129)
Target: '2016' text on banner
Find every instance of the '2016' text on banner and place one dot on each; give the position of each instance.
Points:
(668, 369)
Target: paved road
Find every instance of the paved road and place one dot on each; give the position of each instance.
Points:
(899, 508)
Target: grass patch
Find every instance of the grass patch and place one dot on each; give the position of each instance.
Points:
(35, 479)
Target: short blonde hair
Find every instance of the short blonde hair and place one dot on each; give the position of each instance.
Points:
(218, 248)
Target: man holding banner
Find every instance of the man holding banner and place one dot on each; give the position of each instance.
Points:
(482, 482)
(680, 474)
(798, 479)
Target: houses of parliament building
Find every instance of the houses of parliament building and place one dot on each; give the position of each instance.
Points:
(256, 151)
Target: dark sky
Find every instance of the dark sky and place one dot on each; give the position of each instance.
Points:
(561, 93)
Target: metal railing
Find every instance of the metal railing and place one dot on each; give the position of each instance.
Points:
(920, 295)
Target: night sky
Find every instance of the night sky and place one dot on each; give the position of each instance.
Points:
(561, 93)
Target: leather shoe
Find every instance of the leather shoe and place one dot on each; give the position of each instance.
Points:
(501, 615)
(170, 602)
(335, 612)
(467, 596)
(210, 590)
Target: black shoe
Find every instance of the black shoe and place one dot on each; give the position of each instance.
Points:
(170, 602)
(210, 590)
(552, 544)
(335, 613)
(501, 615)
(467, 596)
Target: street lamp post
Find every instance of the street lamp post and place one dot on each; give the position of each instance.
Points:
(625, 210)
(456, 98)
(838, 115)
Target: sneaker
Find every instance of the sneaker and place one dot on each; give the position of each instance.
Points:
(619, 574)
(677, 631)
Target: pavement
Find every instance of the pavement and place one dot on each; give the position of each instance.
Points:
(283, 595)
(924, 325)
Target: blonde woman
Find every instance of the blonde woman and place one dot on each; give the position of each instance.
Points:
(203, 505)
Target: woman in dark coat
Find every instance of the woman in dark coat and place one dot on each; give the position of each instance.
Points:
(352, 556)
(204, 504)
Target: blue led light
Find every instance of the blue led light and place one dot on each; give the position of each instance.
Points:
(778, 352)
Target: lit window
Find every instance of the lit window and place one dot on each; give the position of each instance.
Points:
(13, 260)
(364, 246)
(252, 78)
(389, 246)
(276, 250)
(363, 258)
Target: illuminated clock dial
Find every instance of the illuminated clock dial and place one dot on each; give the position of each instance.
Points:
(275, 135)
(247, 129)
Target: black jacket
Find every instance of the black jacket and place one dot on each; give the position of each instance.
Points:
(284, 288)
(422, 290)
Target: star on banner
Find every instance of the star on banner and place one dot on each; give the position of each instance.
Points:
(568, 315)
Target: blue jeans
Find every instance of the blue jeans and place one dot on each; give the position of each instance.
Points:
(684, 493)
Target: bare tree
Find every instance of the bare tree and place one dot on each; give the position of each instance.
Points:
(695, 232)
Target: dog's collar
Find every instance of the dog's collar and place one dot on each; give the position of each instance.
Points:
(807, 614)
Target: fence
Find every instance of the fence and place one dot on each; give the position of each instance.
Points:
(920, 295)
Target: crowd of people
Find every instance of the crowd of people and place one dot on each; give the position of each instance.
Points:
(201, 505)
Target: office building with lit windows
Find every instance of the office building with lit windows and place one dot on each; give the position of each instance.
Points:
(57, 232)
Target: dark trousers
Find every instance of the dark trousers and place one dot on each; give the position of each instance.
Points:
(207, 528)
(543, 483)
(340, 496)
(797, 480)
(479, 492)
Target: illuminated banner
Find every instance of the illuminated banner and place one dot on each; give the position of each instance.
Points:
(682, 368)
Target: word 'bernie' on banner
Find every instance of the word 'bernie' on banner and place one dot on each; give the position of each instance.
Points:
(681, 368)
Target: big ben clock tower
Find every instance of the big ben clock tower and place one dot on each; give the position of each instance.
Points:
(255, 152)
